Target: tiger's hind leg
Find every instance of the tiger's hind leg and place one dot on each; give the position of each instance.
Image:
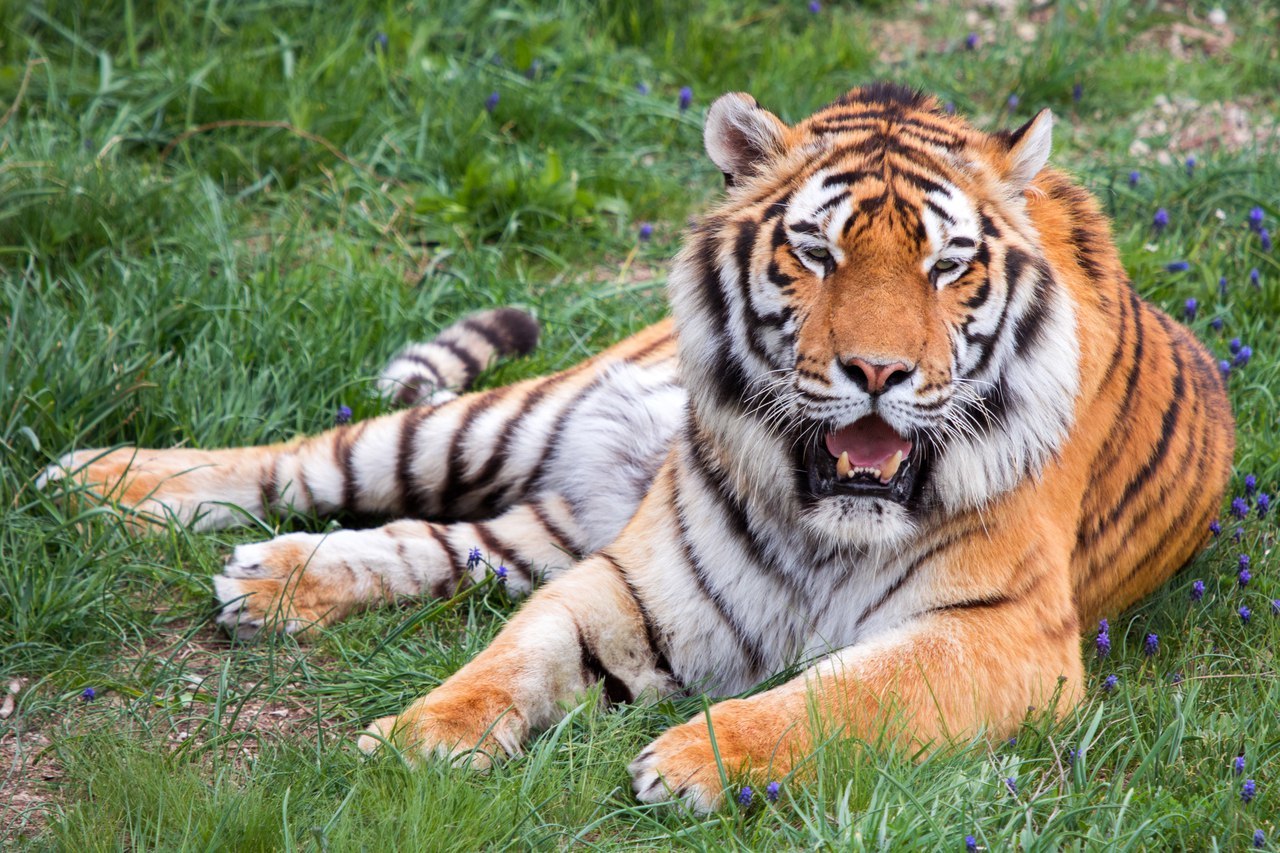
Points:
(301, 581)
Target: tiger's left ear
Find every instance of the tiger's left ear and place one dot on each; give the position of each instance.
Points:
(1027, 150)
(741, 137)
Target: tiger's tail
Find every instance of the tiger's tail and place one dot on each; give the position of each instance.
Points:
(432, 372)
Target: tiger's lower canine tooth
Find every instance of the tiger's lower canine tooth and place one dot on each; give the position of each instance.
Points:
(842, 465)
(891, 467)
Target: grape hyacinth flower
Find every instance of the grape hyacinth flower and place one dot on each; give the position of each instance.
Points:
(1134, 177)
(1215, 528)
(1222, 285)
(642, 87)
(1177, 266)
(1176, 678)
(501, 573)
(686, 98)
(1264, 504)
(1245, 614)
(88, 694)
(771, 792)
(380, 42)
(1109, 685)
(473, 558)
(491, 102)
(1248, 791)
(1103, 642)
(1224, 367)
(1234, 345)
(1275, 607)
(1237, 765)
(1190, 308)
(1242, 357)
(971, 843)
(1013, 102)
(1216, 324)
(1239, 508)
(1256, 215)
(1151, 644)
(1259, 839)
(1235, 537)
(815, 7)
(1191, 166)
(342, 416)
(1012, 784)
(1197, 591)
(971, 41)
(1264, 239)
(1077, 92)
(1161, 220)
(646, 231)
(745, 795)
(1255, 277)
(949, 108)
(1250, 484)
(1244, 576)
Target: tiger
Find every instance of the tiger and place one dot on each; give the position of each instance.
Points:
(908, 430)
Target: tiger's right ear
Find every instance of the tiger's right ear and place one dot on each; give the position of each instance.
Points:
(741, 137)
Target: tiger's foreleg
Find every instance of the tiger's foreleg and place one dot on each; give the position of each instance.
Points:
(586, 627)
(951, 673)
(303, 580)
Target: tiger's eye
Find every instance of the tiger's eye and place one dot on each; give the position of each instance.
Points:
(946, 265)
(819, 254)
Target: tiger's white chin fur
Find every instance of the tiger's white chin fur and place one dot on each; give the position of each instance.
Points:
(859, 522)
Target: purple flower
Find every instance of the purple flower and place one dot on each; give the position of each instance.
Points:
(88, 694)
(1176, 678)
(501, 572)
(771, 792)
(949, 108)
(1275, 607)
(1215, 528)
(1259, 839)
(686, 98)
(473, 558)
(1190, 308)
(1077, 92)
(1151, 644)
(1250, 481)
(1012, 784)
(646, 231)
(1243, 561)
(491, 102)
(1248, 791)
(1237, 765)
(1245, 614)
(380, 42)
(1104, 639)
(342, 416)
(1239, 508)
(642, 87)
(1109, 685)
(1013, 102)
(1013, 741)
(1177, 266)
(1216, 324)
(1235, 537)
(1242, 357)
(971, 41)
(1255, 277)
(1134, 177)
(745, 795)
(1264, 239)
(1222, 285)
(1224, 367)
(971, 843)
(1197, 590)
(1234, 345)
(1104, 626)
(815, 7)
(1243, 577)
(1264, 504)
(1256, 215)
(1191, 166)
(1161, 220)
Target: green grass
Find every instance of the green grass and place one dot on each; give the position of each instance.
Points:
(172, 274)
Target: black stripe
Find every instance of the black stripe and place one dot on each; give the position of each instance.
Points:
(616, 690)
(468, 360)
(491, 543)
(1029, 328)
(455, 482)
(456, 566)
(423, 361)
(344, 447)
(414, 501)
(651, 633)
(491, 337)
(561, 538)
(269, 486)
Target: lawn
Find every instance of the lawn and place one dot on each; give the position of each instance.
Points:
(218, 220)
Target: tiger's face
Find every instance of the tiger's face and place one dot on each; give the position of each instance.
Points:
(872, 306)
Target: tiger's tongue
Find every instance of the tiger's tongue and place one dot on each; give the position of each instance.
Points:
(868, 442)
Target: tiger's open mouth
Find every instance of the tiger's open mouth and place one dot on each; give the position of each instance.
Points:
(866, 458)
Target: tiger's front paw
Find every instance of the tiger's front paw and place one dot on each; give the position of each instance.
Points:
(290, 584)
(467, 727)
(752, 738)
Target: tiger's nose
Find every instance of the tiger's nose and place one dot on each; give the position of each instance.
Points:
(875, 378)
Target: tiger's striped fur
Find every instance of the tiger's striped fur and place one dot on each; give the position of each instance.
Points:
(880, 276)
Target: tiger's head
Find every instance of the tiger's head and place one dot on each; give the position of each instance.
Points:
(868, 326)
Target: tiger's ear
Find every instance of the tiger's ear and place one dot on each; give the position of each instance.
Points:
(1027, 150)
(741, 137)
